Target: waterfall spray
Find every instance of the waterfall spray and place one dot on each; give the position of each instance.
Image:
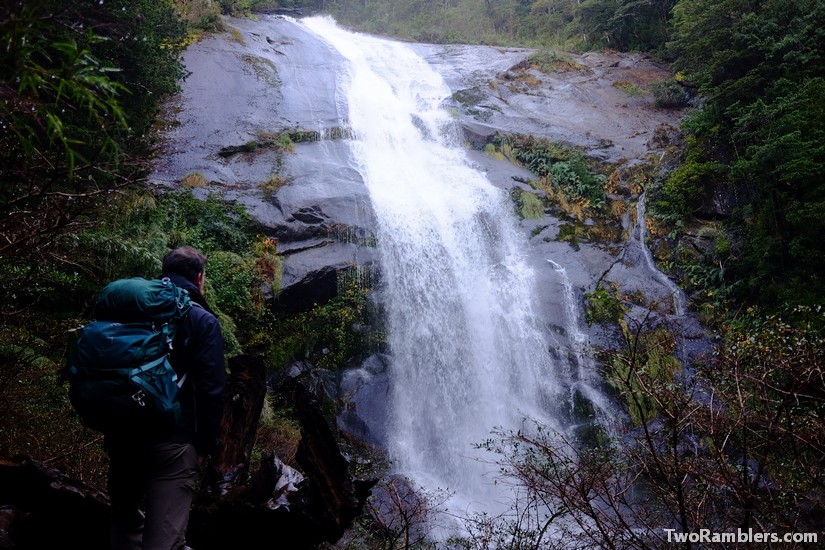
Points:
(585, 381)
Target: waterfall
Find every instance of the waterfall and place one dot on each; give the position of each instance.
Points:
(467, 351)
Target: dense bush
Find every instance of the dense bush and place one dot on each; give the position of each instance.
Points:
(81, 84)
(760, 70)
(564, 168)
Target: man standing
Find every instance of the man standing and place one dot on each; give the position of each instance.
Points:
(153, 477)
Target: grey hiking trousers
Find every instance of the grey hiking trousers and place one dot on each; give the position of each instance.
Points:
(151, 488)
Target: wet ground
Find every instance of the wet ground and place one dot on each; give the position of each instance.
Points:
(599, 100)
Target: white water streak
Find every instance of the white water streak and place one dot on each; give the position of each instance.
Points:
(587, 379)
(676, 293)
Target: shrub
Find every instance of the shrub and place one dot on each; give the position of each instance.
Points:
(531, 206)
(669, 94)
(549, 61)
(602, 306)
(566, 168)
(193, 181)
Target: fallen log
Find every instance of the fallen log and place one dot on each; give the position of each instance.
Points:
(47, 509)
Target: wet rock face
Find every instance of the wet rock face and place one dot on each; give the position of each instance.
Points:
(278, 78)
(269, 79)
(272, 77)
(596, 100)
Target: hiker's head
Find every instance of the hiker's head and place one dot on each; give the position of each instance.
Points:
(186, 261)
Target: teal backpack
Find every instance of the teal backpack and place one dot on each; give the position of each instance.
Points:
(118, 369)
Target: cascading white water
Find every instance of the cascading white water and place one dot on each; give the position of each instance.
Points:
(467, 352)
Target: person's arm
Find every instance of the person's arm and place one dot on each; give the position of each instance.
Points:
(209, 383)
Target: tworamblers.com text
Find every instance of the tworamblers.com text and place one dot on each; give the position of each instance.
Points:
(740, 535)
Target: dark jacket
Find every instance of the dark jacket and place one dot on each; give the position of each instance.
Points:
(198, 353)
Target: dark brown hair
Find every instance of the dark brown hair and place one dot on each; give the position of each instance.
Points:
(186, 261)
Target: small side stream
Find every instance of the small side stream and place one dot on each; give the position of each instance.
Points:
(641, 234)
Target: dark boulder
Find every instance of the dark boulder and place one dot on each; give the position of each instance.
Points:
(44, 508)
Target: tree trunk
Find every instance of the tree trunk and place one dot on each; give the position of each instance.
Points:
(245, 396)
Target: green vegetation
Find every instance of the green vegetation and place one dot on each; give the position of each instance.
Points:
(528, 205)
(629, 88)
(324, 335)
(603, 306)
(564, 172)
(759, 139)
(564, 24)
(278, 141)
(272, 184)
(43, 303)
(76, 106)
(81, 86)
(654, 365)
(550, 61)
(669, 93)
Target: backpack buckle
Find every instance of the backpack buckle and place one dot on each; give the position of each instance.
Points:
(138, 396)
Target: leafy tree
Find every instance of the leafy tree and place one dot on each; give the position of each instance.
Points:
(572, 24)
(60, 116)
(145, 40)
(81, 83)
(759, 67)
(627, 24)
